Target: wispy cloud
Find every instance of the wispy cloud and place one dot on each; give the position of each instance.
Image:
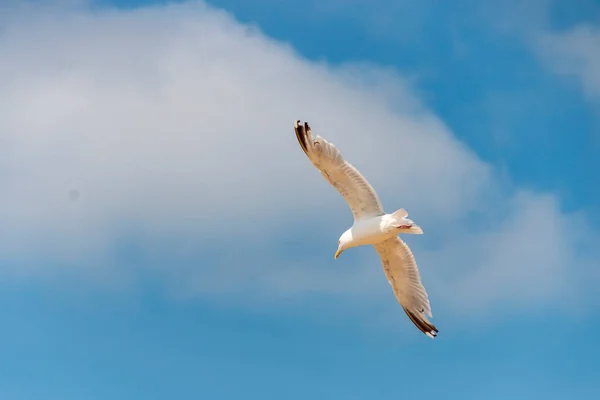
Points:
(574, 53)
(170, 128)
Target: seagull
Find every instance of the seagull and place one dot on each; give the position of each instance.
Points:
(372, 226)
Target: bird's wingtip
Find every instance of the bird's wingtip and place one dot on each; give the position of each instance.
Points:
(301, 133)
(421, 322)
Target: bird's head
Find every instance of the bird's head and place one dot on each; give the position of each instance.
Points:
(343, 243)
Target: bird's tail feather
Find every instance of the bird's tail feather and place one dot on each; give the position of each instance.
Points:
(407, 225)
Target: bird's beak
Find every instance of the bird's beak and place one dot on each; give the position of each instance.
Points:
(338, 252)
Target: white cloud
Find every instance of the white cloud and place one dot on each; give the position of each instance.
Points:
(574, 53)
(174, 124)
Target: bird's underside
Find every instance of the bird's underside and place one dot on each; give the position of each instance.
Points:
(398, 261)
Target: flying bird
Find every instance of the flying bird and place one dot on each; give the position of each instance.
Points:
(372, 226)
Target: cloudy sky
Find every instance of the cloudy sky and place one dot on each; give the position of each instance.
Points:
(163, 236)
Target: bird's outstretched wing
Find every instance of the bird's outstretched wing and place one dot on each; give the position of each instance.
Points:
(353, 187)
(401, 271)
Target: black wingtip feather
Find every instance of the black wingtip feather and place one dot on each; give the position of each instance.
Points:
(301, 134)
(424, 326)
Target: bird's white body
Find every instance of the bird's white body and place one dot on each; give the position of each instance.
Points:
(372, 226)
(378, 229)
(371, 230)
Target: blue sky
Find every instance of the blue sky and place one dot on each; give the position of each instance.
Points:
(173, 122)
